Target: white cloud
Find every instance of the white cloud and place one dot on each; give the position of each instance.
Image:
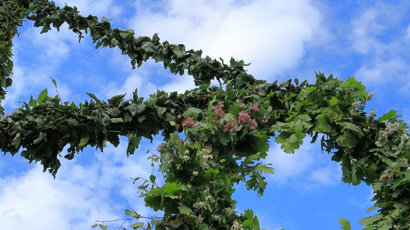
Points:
(408, 33)
(46, 53)
(380, 71)
(99, 8)
(80, 195)
(329, 175)
(131, 83)
(180, 84)
(288, 166)
(385, 60)
(372, 23)
(270, 34)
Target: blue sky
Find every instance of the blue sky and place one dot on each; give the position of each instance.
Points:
(369, 40)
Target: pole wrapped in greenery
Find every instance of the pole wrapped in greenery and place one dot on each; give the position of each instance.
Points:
(226, 128)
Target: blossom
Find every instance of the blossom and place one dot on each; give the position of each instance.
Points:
(175, 223)
(264, 119)
(372, 113)
(244, 117)
(370, 96)
(236, 225)
(185, 158)
(195, 173)
(160, 147)
(188, 122)
(255, 108)
(207, 156)
(231, 126)
(219, 113)
(254, 124)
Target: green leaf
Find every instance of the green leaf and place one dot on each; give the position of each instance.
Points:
(351, 83)
(310, 89)
(33, 102)
(371, 209)
(345, 224)
(333, 101)
(94, 97)
(184, 210)
(103, 227)
(104, 19)
(42, 96)
(152, 178)
(265, 169)
(171, 188)
(137, 225)
(136, 109)
(347, 140)
(369, 220)
(83, 141)
(211, 172)
(389, 116)
(116, 99)
(94, 225)
(114, 42)
(54, 81)
(352, 127)
(149, 48)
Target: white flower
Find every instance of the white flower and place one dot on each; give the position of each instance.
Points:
(204, 165)
(186, 152)
(356, 104)
(352, 161)
(236, 225)
(185, 158)
(370, 96)
(372, 113)
(228, 211)
(200, 204)
(175, 223)
(207, 156)
(178, 166)
(195, 173)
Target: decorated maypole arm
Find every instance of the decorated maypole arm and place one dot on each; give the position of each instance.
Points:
(227, 130)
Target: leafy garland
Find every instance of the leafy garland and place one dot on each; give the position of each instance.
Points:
(226, 130)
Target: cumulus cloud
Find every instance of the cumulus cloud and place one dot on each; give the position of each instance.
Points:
(329, 175)
(100, 8)
(270, 34)
(38, 56)
(80, 195)
(385, 60)
(288, 166)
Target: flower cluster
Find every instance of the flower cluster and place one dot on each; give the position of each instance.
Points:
(236, 226)
(160, 147)
(175, 223)
(188, 122)
(388, 174)
(245, 118)
(219, 112)
(231, 125)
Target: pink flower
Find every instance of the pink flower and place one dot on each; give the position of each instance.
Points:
(244, 117)
(264, 119)
(254, 124)
(231, 126)
(160, 147)
(188, 122)
(255, 108)
(219, 113)
(241, 105)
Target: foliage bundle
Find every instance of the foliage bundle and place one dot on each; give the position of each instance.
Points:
(226, 128)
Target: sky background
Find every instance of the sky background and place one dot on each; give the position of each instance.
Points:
(282, 39)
